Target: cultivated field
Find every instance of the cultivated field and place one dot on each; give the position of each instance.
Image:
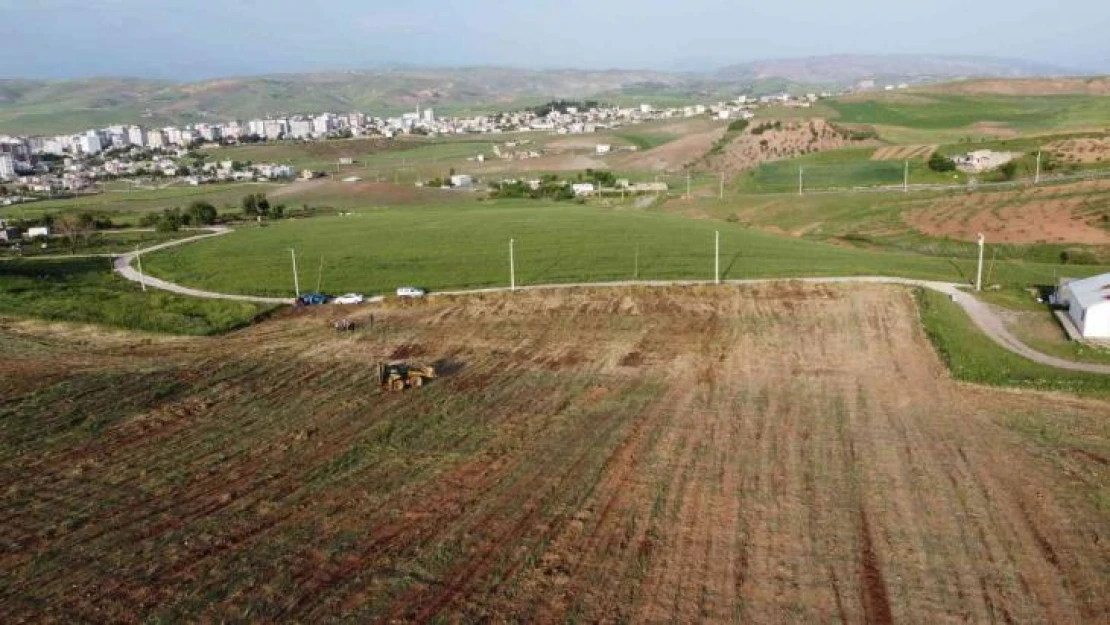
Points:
(787, 453)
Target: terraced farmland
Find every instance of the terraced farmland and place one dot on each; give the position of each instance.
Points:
(778, 453)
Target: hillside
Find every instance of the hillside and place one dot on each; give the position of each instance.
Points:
(847, 69)
(1095, 86)
(42, 107)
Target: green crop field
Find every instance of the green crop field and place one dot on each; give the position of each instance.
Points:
(126, 207)
(929, 111)
(838, 169)
(84, 290)
(468, 246)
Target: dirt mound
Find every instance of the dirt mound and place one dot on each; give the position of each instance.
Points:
(775, 141)
(1077, 213)
(1099, 86)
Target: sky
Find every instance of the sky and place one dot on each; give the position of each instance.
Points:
(196, 39)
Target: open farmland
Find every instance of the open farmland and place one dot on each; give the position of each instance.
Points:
(441, 247)
(638, 455)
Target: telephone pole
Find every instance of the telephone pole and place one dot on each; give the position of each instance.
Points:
(296, 280)
(139, 260)
(512, 267)
(799, 181)
(717, 257)
(906, 177)
(1037, 176)
(979, 274)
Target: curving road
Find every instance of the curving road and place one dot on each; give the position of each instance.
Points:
(981, 314)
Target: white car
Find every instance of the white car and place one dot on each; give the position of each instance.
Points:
(349, 298)
(410, 291)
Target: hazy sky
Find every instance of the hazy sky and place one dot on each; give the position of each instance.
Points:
(189, 39)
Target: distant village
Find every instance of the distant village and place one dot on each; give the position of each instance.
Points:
(37, 166)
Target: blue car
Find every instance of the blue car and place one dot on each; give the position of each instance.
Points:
(312, 299)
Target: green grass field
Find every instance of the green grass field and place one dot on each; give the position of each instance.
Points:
(973, 357)
(101, 242)
(126, 207)
(838, 169)
(84, 290)
(929, 111)
(444, 247)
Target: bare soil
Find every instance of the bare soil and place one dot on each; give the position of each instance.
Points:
(903, 152)
(1027, 86)
(1083, 150)
(670, 157)
(784, 452)
(1075, 213)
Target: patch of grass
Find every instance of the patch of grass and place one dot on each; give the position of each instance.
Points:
(84, 290)
(973, 357)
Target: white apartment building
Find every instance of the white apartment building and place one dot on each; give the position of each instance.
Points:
(300, 128)
(88, 143)
(173, 135)
(155, 138)
(136, 135)
(7, 167)
(321, 125)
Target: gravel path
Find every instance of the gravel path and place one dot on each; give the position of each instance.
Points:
(981, 314)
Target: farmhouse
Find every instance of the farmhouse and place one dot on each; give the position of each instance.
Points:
(1088, 303)
(983, 160)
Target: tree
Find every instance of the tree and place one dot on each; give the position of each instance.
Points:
(1009, 170)
(938, 162)
(250, 205)
(73, 228)
(201, 213)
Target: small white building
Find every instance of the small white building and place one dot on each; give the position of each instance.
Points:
(38, 231)
(603, 148)
(582, 188)
(1088, 302)
(462, 181)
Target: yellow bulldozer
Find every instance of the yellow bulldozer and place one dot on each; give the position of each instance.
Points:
(396, 376)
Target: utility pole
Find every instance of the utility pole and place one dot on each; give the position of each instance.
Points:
(139, 260)
(512, 267)
(717, 257)
(296, 280)
(979, 274)
(799, 181)
(906, 177)
(1037, 176)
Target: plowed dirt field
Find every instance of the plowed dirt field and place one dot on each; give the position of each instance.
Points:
(778, 453)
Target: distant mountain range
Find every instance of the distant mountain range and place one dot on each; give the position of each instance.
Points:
(38, 106)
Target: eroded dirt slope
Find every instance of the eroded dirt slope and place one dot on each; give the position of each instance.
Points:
(766, 454)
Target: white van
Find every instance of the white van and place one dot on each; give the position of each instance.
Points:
(410, 291)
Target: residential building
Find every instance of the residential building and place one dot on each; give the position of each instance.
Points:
(7, 167)
(136, 135)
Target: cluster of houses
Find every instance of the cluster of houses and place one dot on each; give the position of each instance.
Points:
(43, 165)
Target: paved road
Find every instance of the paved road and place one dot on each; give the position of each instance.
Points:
(981, 314)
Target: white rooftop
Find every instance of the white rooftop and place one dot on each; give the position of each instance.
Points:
(1092, 291)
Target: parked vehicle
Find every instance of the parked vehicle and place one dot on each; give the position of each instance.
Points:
(312, 299)
(349, 298)
(410, 291)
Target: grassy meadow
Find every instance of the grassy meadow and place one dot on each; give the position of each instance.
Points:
(84, 290)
